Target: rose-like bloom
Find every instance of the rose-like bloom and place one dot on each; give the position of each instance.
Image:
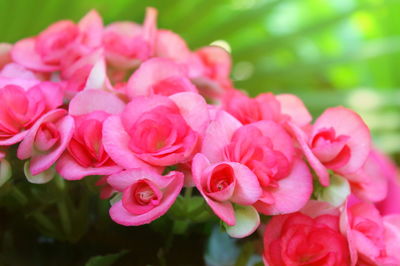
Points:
(127, 44)
(267, 150)
(266, 106)
(14, 74)
(46, 140)
(212, 78)
(156, 130)
(339, 140)
(85, 154)
(224, 183)
(159, 76)
(20, 109)
(375, 239)
(309, 237)
(370, 182)
(47, 51)
(146, 195)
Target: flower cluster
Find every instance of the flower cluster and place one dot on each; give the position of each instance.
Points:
(130, 102)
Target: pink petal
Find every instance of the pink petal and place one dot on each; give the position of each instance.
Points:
(369, 183)
(69, 169)
(43, 162)
(293, 192)
(392, 235)
(120, 215)
(247, 190)
(280, 138)
(224, 210)
(140, 105)
(95, 100)
(14, 139)
(91, 27)
(150, 27)
(316, 165)
(152, 72)
(24, 53)
(25, 149)
(97, 76)
(115, 141)
(315, 208)
(193, 109)
(199, 164)
(218, 135)
(294, 107)
(171, 45)
(348, 123)
(120, 181)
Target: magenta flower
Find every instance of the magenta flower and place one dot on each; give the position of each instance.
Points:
(146, 195)
(156, 130)
(267, 150)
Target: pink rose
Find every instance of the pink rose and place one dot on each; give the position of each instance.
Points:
(127, 44)
(14, 74)
(266, 106)
(159, 76)
(224, 183)
(370, 182)
(146, 195)
(267, 150)
(20, 109)
(46, 140)
(309, 237)
(47, 51)
(373, 238)
(339, 140)
(156, 130)
(217, 66)
(85, 154)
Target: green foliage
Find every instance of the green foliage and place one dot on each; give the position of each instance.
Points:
(106, 260)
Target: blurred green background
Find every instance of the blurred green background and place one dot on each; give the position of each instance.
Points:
(329, 52)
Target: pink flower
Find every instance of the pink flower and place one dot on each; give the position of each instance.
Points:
(370, 182)
(309, 237)
(20, 109)
(14, 74)
(146, 195)
(372, 236)
(267, 150)
(156, 130)
(224, 183)
(266, 106)
(211, 76)
(85, 153)
(128, 44)
(339, 140)
(46, 140)
(47, 51)
(388, 170)
(159, 76)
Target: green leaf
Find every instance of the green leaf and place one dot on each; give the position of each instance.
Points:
(105, 260)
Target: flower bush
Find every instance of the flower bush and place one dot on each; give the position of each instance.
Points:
(134, 106)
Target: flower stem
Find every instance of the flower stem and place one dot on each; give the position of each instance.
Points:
(188, 192)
